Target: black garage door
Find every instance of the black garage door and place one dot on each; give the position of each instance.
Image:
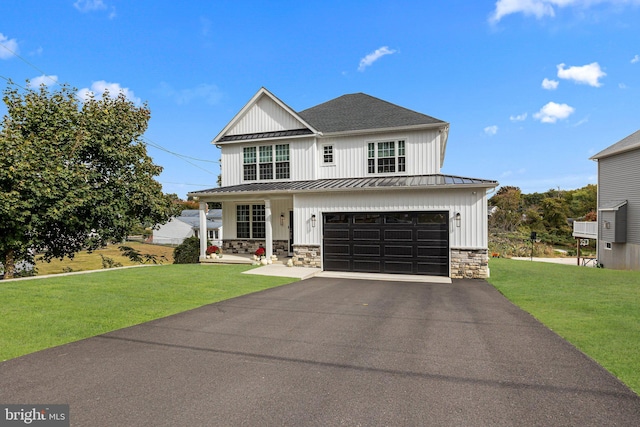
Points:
(399, 242)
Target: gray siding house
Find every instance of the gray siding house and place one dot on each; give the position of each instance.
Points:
(619, 204)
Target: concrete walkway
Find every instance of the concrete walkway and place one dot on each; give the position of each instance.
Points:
(330, 352)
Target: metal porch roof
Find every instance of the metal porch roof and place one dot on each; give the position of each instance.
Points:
(347, 184)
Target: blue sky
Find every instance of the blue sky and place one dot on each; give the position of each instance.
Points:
(531, 88)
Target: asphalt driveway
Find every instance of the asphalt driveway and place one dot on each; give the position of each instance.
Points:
(329, 352)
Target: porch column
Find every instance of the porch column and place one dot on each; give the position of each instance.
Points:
(203, 230)
(268, 229)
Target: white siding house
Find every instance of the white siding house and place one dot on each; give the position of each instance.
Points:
(187, 224)
(353, 184)
(619, 204)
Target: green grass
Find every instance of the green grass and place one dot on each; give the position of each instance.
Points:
(597, 310)
(84, 261)
(41, 313)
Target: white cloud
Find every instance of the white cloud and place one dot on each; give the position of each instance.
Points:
(8, 48)
(550, 84)
(542, 8)
(635, 59)
(587, 74)
(553, 112)
(36, 82)
(519, 118)
(374, 56)
(89, 5)
(209, 93)
(98, 88)
(491, 130)
(622, 86)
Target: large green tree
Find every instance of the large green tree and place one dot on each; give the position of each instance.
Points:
(73, 174)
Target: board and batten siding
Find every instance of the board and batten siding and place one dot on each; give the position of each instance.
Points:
(471, 203)
(302, 158)
(351, 154)
(265, 116)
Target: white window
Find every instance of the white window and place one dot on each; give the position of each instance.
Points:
(259, 164)
(386, 157)
(607, 245)
(327, 154)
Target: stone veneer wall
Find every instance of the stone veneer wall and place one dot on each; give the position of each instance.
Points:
(246, 246)
(469, 263)
(307, 256)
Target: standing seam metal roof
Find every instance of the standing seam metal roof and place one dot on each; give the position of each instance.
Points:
(413, 181)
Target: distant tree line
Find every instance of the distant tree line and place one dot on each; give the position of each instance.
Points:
(548, 214)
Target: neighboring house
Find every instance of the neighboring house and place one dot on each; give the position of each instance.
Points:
(352, 184)
(187, 225)
(619, 204)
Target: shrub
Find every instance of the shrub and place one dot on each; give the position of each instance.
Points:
(260, 252)
(188, 252)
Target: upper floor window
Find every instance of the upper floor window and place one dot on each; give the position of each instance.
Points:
(265, 162)
(327, 154)
(386, 157)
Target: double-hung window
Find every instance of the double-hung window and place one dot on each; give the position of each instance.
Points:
(266, 162)
(249, 167)
(250, 222)
(327, 154)
(386, 157)
(283, 170)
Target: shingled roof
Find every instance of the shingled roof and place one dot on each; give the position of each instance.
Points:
(631, 142)
(360, 111)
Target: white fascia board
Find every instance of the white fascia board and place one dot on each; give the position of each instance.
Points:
(385, 130)
(262, 92)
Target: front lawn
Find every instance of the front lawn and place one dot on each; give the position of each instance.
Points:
(41, 313)
(597, 310)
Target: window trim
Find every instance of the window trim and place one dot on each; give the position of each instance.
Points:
(252, 223)
(375, 162)
(324, 155)
(277, 168)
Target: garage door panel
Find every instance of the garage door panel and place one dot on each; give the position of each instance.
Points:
(431, 235)
(337, 249)
(336, 234)
(366, 234)
(398, 267)
(398, 251)
(367, 266)
(337, 265)
(435, 251)
(401, 235)
(366, 250)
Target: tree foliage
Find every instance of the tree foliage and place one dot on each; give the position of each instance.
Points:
(546, 213)
(73, 175)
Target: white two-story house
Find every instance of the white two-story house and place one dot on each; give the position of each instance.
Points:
(352, 184)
